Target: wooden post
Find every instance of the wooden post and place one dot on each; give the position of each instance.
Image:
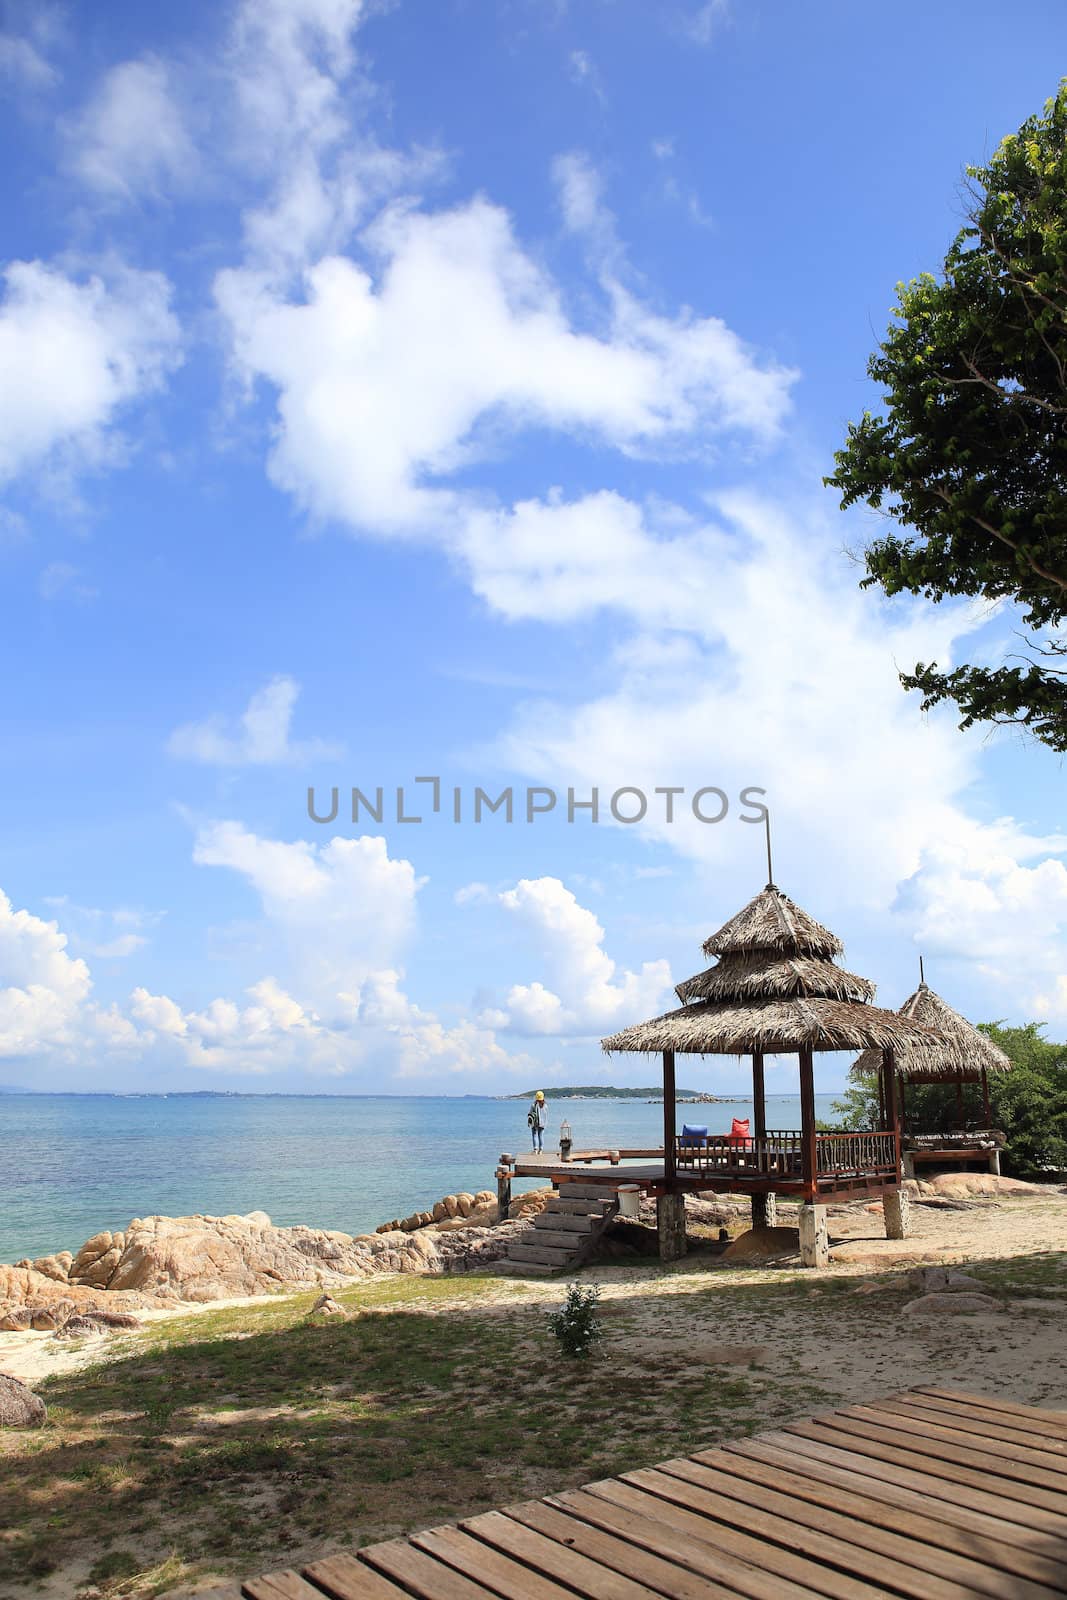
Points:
(764, 1213)
(759, 1097)
(959, 1102)
(503, 1188)
(670, 1120)
(892, 1103)
(808, 1148)
(986, 1112)
(903, 1104)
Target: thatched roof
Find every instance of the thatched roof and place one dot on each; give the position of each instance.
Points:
(771, 921)
(772, 1026)
(963, 1052)
(774, 989)
(765, 975)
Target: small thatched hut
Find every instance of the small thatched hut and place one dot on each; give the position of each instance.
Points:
(776, 988)
(965, 1055)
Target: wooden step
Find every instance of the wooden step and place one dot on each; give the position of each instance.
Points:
(543, 1255)
(566, 1222)
(548, 1239)
(579, 1208)
(570, 1190)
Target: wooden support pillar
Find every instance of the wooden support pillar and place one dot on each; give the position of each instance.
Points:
(670, 1121)
(503, 1187)
(670, 1222)
(814, 1244)
(960, 1117)
(889, 1067)
(897, 1209)
(759, 1096)
(986, 1112)
(901, 1090)
(764, 1211)
(808, 1148)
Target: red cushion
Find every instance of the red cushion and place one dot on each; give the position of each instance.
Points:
(739, 1130)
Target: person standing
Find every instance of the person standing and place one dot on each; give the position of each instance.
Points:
(537, 1117)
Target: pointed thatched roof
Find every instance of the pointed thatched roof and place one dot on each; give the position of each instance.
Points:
(774, 988)
(963, 1052)
(764, 974)
(771, 921)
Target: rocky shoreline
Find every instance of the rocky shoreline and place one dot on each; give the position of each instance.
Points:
(160, 1263)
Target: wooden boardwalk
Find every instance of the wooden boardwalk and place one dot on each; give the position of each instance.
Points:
(930, 1494)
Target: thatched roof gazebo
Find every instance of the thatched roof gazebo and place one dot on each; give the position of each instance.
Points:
(964, 1055)
(776, 988)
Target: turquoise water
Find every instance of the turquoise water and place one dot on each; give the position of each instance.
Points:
(71, 1165)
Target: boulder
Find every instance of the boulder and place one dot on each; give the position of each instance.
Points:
(56, 1267)
(451, 1205)
(440, 1211)
(327, 1306)
(529, 1204)
(944, 1280)
(90, 1252)
(19, 1406)
(952, 1304)
(81, 1327)
(464, 1203)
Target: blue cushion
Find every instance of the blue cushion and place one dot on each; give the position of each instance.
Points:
(693, 1132)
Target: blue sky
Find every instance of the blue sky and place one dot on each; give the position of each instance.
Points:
(401, 390)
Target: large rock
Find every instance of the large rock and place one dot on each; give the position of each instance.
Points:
(56, 1267)
(951, 1304)
(19, 1406)
(973, 1185)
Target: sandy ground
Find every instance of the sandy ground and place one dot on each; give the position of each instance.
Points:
(35, 1356)
(799, 1356)
(993, 1230)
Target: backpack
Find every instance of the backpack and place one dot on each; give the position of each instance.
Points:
(530, 1117)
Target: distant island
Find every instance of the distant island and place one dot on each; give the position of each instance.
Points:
(599, 1091)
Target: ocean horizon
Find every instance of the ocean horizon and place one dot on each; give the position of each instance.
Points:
(72, 1165)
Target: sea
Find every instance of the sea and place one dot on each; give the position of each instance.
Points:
(72, 1165)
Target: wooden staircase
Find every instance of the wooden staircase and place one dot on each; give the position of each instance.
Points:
(567, 1231)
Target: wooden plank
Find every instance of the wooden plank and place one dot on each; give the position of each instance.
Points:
(565, 1221)
(1051, 1423)
(538, 1253)
(1021, 1480)
(664, 1576)
(911, 1535)
(342, 1577)
(285, 1585)
(1036, 1413)
(517, 1532)
(545, 1238)
(1004, 1459)
(972, 1419)
(420, 1574)
(861, 1550)
(968, 1525)
(927, 1456)
(656, 1525)
(580, 1207)
(499, 1572)
(222, 1591)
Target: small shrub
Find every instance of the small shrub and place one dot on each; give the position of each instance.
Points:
(576, 1324)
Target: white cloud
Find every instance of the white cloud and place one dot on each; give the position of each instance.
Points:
(42, 988)
(24, 65)
(588, 993)
(59, 577)
(706, 22)
(261, 737)
(110, 935)
(382, 384)
(73, 354)
(131, 139)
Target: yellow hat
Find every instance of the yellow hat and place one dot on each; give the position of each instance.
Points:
(540, 1095)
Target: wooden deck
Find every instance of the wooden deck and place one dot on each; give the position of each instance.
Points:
(930, 1495)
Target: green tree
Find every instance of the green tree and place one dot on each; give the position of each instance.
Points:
(970, 460)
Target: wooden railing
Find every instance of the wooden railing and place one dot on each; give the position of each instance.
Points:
(779, 1153)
